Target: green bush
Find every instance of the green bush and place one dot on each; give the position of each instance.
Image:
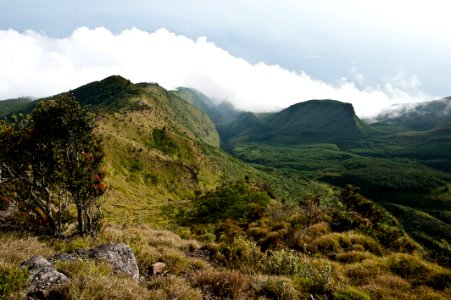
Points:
(407, 266)
(12, 279)
(163, 141)
(350, 293)
(234, 201)
(275, 287)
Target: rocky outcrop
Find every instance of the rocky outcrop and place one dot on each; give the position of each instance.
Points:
(44, 278)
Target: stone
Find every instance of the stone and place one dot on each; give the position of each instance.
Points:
(159, 268)
(43, 276)
(119, 256)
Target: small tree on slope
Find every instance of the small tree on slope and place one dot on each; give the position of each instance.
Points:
(52, 158)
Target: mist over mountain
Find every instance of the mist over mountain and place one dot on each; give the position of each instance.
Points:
(418, 116)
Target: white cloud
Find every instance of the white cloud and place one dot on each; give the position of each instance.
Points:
(33, 64)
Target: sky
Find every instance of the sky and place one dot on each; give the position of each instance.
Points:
(261, 55)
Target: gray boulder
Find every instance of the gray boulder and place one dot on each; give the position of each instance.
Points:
(43, 276)
(119, 256)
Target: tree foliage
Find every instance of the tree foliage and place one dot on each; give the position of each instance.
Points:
(52, 159)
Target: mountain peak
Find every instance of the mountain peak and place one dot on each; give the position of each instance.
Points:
(317, 117)
(112, 92)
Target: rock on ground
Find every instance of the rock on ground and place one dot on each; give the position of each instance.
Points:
(43, 275)
(44, 278)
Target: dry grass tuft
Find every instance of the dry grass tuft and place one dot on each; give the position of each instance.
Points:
(223, 284)
(16, 248)
(172, 287)
(94, 280)
(274, 287)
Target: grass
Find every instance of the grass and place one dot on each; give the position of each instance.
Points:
(233, 270)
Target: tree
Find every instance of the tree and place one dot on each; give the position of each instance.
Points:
(52, 158)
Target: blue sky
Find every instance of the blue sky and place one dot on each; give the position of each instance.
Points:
(260, 55)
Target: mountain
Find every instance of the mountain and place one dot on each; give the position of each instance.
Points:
(314, 121)
(221, 114)
(15, 105)
(418, 116)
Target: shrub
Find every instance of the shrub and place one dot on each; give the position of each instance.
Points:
(364, 272)
(353, 256)
(176, 261)
(225, 284)
(236, 201)
(407, 266)
(367, 242)
(275, 287)
(350, 293)
(240, 254)
(12, 279)
(330, 243)
(172, 288)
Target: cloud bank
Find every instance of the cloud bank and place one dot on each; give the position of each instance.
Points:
(33, 64)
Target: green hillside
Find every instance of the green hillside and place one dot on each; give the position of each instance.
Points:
(15, 105)
(220, 114)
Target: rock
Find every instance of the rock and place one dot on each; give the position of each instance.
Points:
(159, 268)
(43, 276)
(119, 256)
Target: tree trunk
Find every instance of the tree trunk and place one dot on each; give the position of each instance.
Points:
(81, 223)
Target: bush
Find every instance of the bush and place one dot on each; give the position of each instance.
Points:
(330, 243)
(365, 271)
(275, 287)
(12, 279)
(236, 201)
(350, 293)
(172, 288)
(225, 284)
(353, 256)
(407, 266)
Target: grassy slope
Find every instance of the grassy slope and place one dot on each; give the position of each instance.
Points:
(145, 178)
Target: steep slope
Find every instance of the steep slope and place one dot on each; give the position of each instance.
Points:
(221, 114)
(156, 147)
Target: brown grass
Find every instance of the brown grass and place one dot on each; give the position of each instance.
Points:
(223, 284)
(16, 248)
